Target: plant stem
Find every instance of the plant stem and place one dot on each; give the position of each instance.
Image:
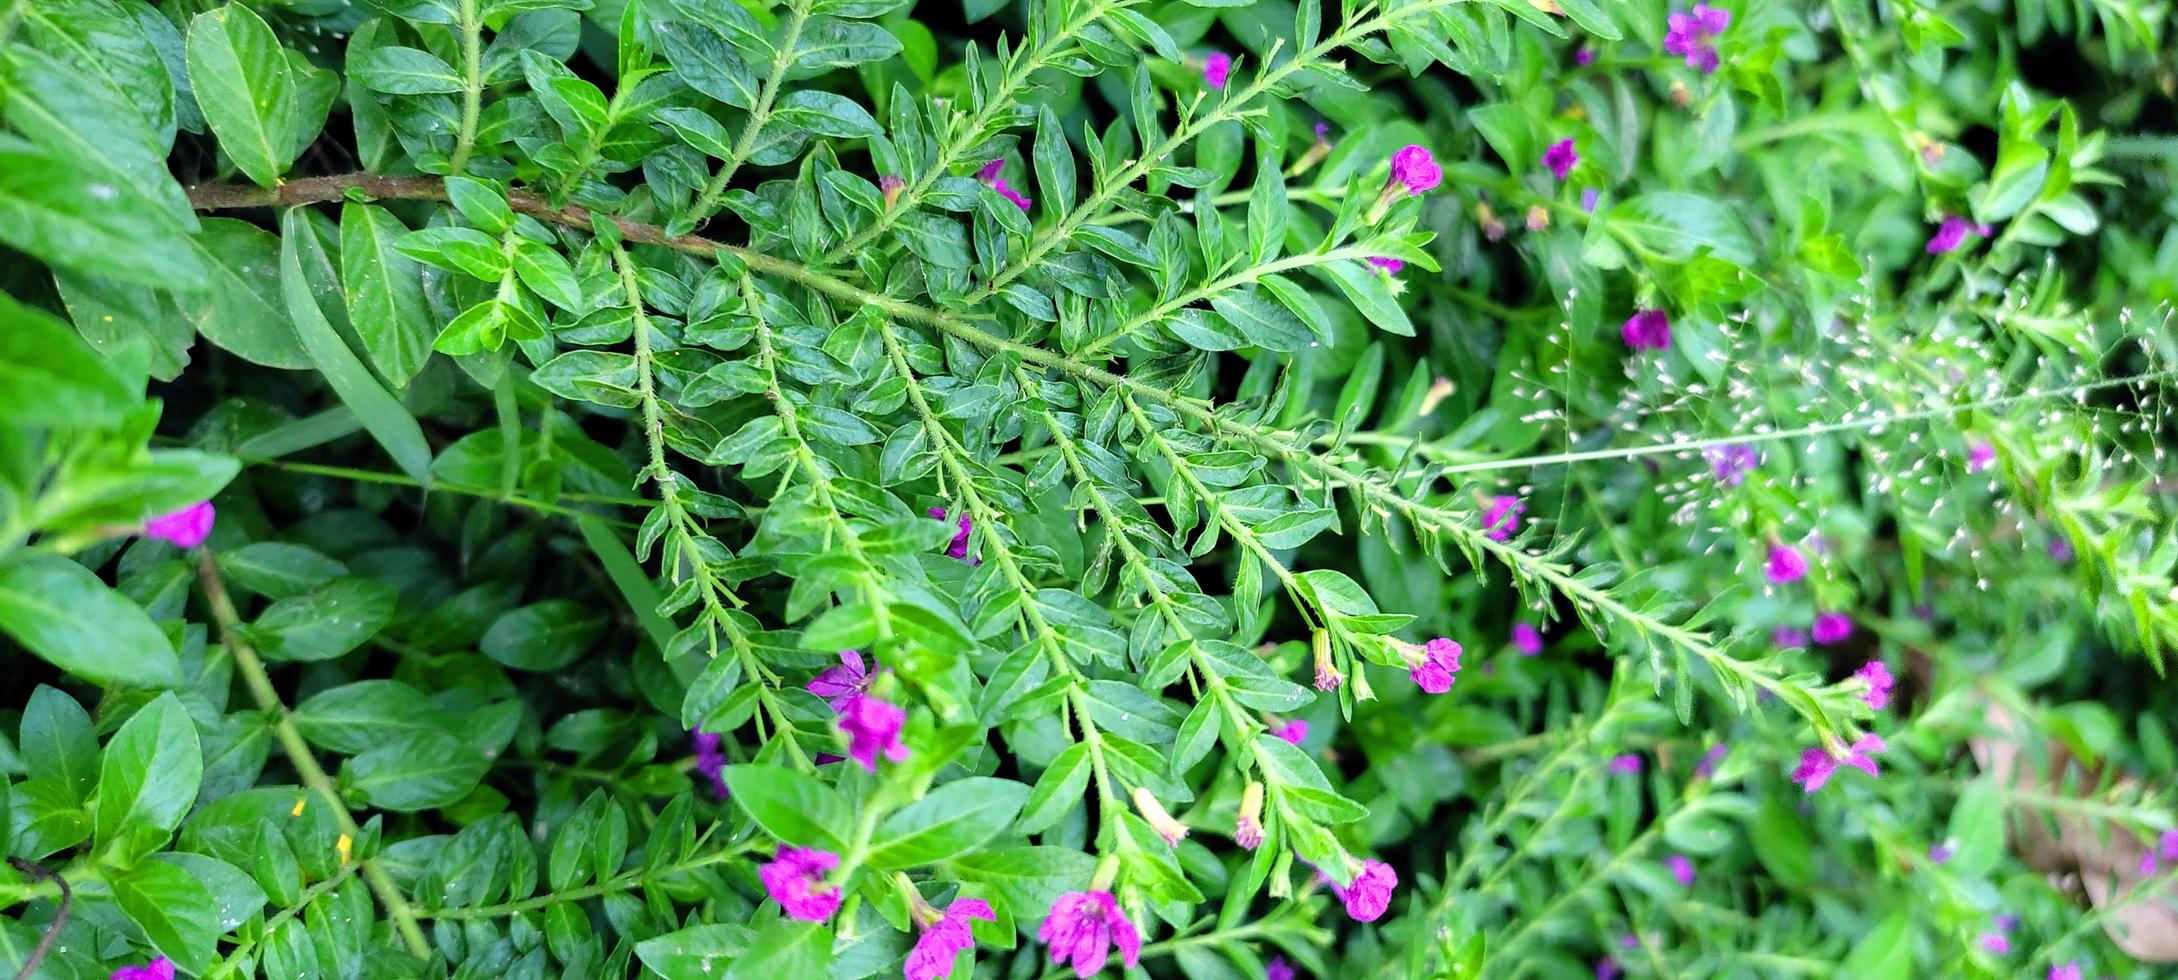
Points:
(298, 752)
(759, 114)
(622, 883)
(470, 23)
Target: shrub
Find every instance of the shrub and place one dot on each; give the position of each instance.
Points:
(834, 487)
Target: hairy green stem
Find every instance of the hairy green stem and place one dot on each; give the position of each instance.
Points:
(252, 669)
(759, 114)
(470, 22)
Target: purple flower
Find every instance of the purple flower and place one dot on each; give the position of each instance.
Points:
(1707, 767)
(1952, 234)
(1437, 666)
(1996, 942)
(1390, 266)
(1414, 168)
(1730, 463)
(1788, 637)
(1560, 158)
(1294, 732)
(1878, 678)
(988, 174)
(1370, 893)
(843, 683)
(2006, 922)
(2167, 844)
(1216, 68)
(1980, 456)
(873, 728)
(1502, 519)
(792, 879)
(943, 941)
(1817, 765)
(1589, 197)
(1832, 627)
(1693, 35)
(1785, 564)
(1682, 870)
(1584, 56)
(1527, 639)
(891, 185)
(1279, 969)
(1627, 764)
(959, 546)
(1607, 969)
(2065, 971)
(159, 968)
(1941, 853)
(1647, 330)
(1323, 132)
(2060, 548)
(711, 761)
(184, 528)
(1080, 928)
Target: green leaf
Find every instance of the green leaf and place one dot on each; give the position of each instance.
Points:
(49, 377)
(175, 910)
(381, 415)
(790, 805)
(57, 742)
(420, 771)
(385, 292)
(825, 114)
(240, 75)
(326, 622)
(60, 611)
(1058, 791)
(276, 569)
(355, 718)
(1370, 293)
(403, 71)
(694, 953)
(240, 307)
(149, 773)
(784, 948)
(1677, 225)
(546, 636)
(951, 820)
(51, 208)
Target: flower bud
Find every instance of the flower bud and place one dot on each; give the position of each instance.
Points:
(891, 185)
(1328, 677)
(1248, 829)
(1160, 821)
(1538, 217)
(1439, 390)
(1492, 228)
(1681, 96)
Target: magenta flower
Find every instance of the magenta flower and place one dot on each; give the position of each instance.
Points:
(1279, 969)
(184, 528)
(1647, 330)
(1878, 678)
(1502, 519)
(873, 728)
(1693, 36)
(849, 680)
(942, 942)
(959, 546)
(793, 878)
(1832, 627)
(1980, 456)
(1996, 942)
(1817, 765)
(1788, 637)
(2065, 971)
(1414, 168)
(159, 968)
(1607, 969)
(1371, 891)
(1627, 764)
(1560, 158)
(1941, 853)
(1390, 266)
(1952, 234)
(1589, 197)
(1707, 767)
(1294, 732)
(1216, 69)
(1730, 463)
(1785, 564)
(1527, 639)
(2167, 844)
(989, 176)
(1080, 928)
(711, 761)
(1584, 56)
(1682, 870)
(1437, 667)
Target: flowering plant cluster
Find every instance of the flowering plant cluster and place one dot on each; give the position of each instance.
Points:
(1024, 488)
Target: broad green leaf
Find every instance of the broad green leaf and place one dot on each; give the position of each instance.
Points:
(326, 622)
(546, 636)
(355, 718)
(240, 306)
(419, 771)
(790, 805)
(175, 910)
(240, 75)
(149, 772)
(385, 292)
(403, 71)
(381, 414)
(951, 820)
(49, 376)
(60, 611)
(49, 209)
